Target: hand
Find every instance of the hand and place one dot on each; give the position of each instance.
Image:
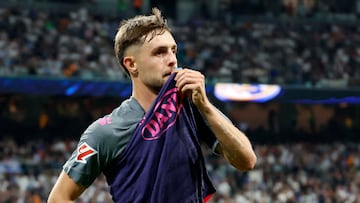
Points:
(192, 83)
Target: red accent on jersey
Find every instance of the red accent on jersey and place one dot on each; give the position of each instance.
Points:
(207, 198)
(84, 151)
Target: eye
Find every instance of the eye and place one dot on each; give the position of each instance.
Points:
(159, 52)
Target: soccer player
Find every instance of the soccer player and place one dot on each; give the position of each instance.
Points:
(149, 147)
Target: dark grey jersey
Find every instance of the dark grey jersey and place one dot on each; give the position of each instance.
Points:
(103, 141)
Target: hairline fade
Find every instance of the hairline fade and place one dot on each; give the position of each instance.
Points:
(135, 30)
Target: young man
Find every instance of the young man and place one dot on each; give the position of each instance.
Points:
(149, 147)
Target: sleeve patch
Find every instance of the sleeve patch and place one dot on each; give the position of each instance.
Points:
(84, 151)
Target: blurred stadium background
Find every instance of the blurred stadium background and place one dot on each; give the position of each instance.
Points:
(58, 74)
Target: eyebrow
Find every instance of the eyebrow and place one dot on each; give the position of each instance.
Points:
(163, 48)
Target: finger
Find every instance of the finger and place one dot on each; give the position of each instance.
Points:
(188, 74)
(181, 71)
(187, 79)
(190, 88)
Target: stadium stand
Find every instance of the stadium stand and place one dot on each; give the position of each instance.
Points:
(79, 45)
(306, 153)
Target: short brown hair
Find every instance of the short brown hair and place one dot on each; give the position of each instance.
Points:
(135, 30)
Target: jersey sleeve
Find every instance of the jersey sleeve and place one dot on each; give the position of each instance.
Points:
(89, 157)
(102, 142)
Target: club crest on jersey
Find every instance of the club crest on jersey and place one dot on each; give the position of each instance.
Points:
(84, 151)
(164, 116)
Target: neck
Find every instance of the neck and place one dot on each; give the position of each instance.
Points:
(143, 95)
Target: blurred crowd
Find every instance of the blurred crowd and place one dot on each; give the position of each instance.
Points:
(80, 45)
(292, 173)
(285, 173)
(38, 133)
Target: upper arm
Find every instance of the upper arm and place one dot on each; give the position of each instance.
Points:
(65, 189)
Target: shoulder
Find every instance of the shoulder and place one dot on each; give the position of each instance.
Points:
(110, 133)
(127, 114)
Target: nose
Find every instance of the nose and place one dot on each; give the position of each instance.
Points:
(172, 60)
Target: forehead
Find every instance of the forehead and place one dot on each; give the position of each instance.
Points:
(159, 40)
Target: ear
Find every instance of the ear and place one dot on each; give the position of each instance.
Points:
(129, 63)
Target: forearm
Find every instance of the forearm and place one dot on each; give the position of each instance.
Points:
(234, 146)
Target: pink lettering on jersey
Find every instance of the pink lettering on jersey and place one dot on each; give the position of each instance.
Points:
(165, 114)
(105, 120)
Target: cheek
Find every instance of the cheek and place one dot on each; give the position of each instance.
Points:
(152, 68)
(148, 75)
